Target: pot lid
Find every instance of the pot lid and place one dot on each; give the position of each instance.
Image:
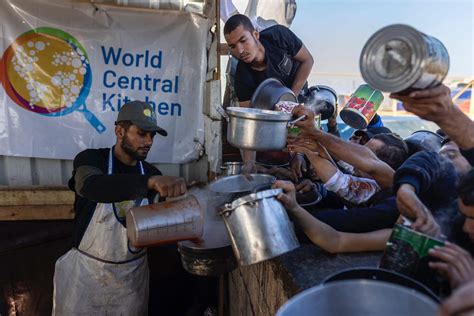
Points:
(259, 114)
(239, 183)
(254, 197)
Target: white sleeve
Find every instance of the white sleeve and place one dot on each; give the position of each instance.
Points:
(351, 188)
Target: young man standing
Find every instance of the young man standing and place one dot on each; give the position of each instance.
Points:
(276, 52)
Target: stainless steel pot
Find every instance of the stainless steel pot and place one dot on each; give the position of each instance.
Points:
(269, 92)
(358, 297)
(226, 189)
(321, 99)
(259, 227)
(423, 141)
(257, 129)
(232, 168)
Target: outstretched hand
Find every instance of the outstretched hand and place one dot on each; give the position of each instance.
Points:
(288, 197)
(433, 104)
(410, 206)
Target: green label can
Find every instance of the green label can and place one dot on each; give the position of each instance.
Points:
(295, 130)
(406, 250)
(361, 107)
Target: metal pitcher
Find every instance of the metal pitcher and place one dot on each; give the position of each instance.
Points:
(259, 227)
(165, 222)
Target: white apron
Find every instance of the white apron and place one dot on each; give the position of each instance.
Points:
(105, 275)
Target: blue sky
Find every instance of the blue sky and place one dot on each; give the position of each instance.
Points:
(335, 31)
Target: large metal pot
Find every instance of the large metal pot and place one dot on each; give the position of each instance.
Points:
(259, 227)
(381, 275)
(423, 141)
(257, 129)
(211, 255)
(269, 92)
(232, 168)
(321, 99)
(358, 297)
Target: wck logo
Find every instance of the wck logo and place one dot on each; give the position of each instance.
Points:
(47, 71)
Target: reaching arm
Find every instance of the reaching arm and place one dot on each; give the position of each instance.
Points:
(356, 155)
(324, 235)
(306, 64)
(436, 105)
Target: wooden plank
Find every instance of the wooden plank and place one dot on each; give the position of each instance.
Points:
(36, 212)
(35, 195)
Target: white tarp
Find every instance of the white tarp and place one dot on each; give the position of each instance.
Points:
(66, 69)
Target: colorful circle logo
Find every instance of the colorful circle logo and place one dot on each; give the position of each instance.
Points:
(47, 71)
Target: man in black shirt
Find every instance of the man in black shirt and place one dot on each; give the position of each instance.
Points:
(103, 273)
(275, 52)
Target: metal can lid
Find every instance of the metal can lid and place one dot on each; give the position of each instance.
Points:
(392, 59)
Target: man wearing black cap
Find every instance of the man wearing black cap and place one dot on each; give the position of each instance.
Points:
(103, 273)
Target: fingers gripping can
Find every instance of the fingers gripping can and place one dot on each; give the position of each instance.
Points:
(288, 106)
(361, 107)
(399, 58)
(406, 250)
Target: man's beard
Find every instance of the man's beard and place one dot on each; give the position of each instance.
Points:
(127, 148)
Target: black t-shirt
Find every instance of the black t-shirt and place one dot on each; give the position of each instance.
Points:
(92, 185)
(281, 45)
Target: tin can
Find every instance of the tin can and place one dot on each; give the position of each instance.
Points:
(295, 130)
(399, 58)
(406, 251)
(361, 107)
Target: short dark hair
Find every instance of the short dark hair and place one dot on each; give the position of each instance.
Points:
(395, 151)
(466, 188)
(235, 21)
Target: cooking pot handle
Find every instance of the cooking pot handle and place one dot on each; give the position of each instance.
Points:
(262, 187)
(222, 112)
(291, 123)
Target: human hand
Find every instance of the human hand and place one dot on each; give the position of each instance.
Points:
(410, 206)
(288, 197)
(461, 301)
(305, 185)
(457, 264)
(297, 166)
(306, 125)
(434, 104)
(167, 186)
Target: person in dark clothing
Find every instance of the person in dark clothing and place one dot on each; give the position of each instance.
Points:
(103, 272)
(276, 52)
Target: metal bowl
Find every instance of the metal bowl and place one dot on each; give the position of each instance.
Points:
(359, 298)
(270, 92)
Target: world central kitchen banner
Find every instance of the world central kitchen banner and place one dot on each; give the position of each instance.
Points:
(66, 69)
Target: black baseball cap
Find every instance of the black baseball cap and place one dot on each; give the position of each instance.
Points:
(371, 132)
(142, 115)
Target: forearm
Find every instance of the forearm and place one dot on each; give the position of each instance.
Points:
(98, 187)
(459, 127)
(323, 168)
(318, 232)
(301, 76)
(334, 241)
(360, 157)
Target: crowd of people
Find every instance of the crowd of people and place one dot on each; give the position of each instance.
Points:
(372, 181)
